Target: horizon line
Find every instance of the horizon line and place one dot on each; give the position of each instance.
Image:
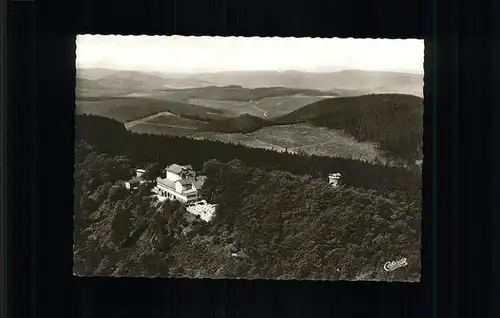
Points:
(247, 71)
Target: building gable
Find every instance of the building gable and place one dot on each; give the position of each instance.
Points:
(177, 169)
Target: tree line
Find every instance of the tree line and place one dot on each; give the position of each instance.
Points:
(111, 137)
(395, 121)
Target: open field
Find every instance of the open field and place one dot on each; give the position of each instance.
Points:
(241, 139)
(317, 140)
(125, 110)
(97, 93)
(218, 104)
(176, 121)
(301, 138)
(129, 105)
(130, 109)
(146, 115)
(238, 93)
(276, 106)
(264, 108)
(295, 138)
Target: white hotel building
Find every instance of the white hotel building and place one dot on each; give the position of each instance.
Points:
(180, 183)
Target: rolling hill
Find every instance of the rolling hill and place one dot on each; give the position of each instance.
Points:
(241, 94)
(348, 81)
(130, 109)
(124, 81)
(86, 89)
(93, 74)
(344, 83)
(82, 83)
(394, 121)
(242, 124)
(275, 106)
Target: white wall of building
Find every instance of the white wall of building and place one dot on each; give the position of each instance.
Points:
(172, 176)
(172, 194)
(333, 179)
(178, 187)
(139, 172)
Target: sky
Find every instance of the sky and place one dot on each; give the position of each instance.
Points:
(181, 54)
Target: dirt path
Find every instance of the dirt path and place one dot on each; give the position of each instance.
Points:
(172, 126)
(253, 104)
(131, 124)
(261, 110)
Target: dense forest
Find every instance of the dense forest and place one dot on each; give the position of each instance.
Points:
(395, 121)
(143, 149)
(270, 223)
(245, 123)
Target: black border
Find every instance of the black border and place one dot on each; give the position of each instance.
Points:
(494, 287)
(4, 200)
(40, 125)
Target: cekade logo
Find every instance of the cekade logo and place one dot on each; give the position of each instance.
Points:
(390, 266)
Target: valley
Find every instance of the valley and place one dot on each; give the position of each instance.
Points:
(293, 120)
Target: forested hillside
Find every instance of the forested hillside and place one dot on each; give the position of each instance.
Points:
(143, 149)
(130, 109)
(269, 224)
(241, 124)
(394, 121)
(242, 94)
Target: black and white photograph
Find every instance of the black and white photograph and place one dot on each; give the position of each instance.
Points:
(248, 158)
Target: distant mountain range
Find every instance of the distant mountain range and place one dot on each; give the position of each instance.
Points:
(350, 80)
(131, 80)
(346, 83)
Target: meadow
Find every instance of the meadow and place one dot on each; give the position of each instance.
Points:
(265, 108)
(239, 139)
(127, 109)
(276, 106)
(315, 135)
(302, 138)
(317, 141)
(175, 121)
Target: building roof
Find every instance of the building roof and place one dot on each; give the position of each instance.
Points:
(166, 183)
(171, 185)
(134, 180)
(175, 168)
(188, 192)
(185, 181)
